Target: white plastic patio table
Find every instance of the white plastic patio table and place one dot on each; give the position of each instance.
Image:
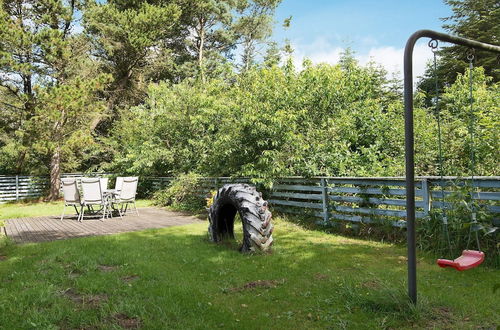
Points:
(109, 196)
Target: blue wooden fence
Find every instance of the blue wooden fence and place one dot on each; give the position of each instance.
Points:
(374, 199)
(18, 187)
(329, 199)
(365, 200)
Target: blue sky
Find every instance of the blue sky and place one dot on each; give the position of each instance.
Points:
(375, 30)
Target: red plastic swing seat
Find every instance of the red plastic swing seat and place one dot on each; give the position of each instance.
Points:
(469, 259)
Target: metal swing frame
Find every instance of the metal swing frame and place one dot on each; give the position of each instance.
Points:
(409, 141)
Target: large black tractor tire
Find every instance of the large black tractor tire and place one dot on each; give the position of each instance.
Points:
(254, 214)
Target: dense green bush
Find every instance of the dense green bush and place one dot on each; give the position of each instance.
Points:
(336, 120)
(183, 194)
(270, 122)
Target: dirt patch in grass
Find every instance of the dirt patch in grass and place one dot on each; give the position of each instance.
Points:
(73, 275)
(107, 268)
(265, 284)
(127, 322)
(130, 278)
(440, 317)
(319, 276)
(86, 300)
(74, 272)
(371, 284)
(3, 258)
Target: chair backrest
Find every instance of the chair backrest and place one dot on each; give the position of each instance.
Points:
(70, 190)
(118, 183)
(104, 183)
(92, 192)
(129, 188)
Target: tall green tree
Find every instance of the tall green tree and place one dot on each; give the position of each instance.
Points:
(46, 68)
(253, 27)
(211, 37)
(473, 19)
(21, 53)
(129, 40)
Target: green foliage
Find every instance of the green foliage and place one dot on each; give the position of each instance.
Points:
(324, 120)
(50, 78)
(473, 19)
(484, 118)
(126, 40)
(275, 121)
(183, 193)
(254, 26)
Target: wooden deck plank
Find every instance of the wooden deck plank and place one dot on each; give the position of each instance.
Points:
(52, 226)
(10, 230)
(40, 229)
(34, 231)
(23, 230)
(16, 234)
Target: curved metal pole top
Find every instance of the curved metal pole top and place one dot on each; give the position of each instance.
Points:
(452, 39)
(409, 140)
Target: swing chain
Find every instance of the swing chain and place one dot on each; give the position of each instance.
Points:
(470, 58)
(433, 44)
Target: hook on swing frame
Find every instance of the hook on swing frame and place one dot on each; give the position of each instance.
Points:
(471, 54)
(433, 44)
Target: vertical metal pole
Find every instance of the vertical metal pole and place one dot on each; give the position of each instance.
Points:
(410, 171)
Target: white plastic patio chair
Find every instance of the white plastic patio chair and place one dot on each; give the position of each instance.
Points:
(104, 183)
(127, 194)
(71, 195)
(118, 183)
(92, 195)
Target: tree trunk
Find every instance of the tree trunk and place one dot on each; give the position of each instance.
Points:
(113, 99)
(201, 35)
(20, 162)
(55, 175)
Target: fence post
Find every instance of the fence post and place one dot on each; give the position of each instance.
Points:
(324, 196)
(17, 187)
(216, 183)
(426, 196)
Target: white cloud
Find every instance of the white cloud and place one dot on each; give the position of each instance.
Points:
(391, 58)
(319, 51)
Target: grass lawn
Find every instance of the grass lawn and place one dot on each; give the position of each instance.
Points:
(38, 209)
(175, 278)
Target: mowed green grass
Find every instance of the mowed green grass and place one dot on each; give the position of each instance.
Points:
(175, 278)
(38, 209)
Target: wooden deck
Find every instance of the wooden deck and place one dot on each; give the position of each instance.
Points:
(50, 228)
